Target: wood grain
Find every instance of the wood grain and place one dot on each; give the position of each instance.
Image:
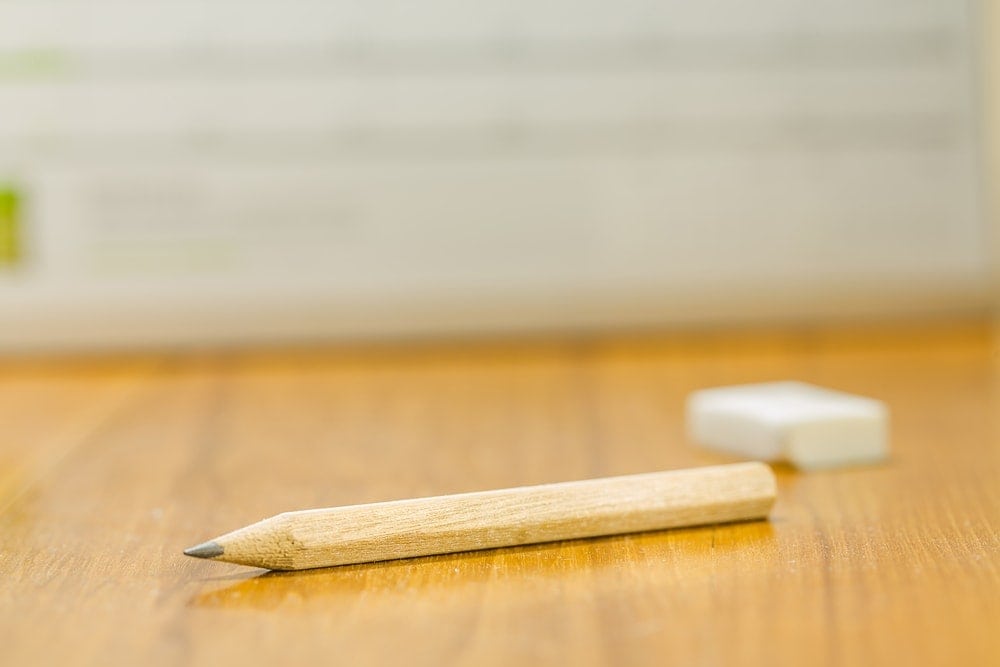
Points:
(115, 465)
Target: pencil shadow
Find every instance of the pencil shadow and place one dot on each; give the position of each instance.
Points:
(687, 554)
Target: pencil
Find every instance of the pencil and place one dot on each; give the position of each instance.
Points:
(500, 518)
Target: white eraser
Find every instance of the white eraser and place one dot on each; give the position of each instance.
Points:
(805, 425)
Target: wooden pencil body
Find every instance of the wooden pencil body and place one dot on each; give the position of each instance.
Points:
(507, 517)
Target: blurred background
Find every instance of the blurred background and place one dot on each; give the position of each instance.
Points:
(190, 173)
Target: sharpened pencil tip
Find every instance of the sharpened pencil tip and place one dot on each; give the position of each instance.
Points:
(205, 550)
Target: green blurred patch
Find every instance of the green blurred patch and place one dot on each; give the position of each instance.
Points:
(10, 226)
(34, 64)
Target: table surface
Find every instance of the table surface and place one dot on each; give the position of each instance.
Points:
(109, 467)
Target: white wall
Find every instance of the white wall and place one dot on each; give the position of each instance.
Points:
(266, 170)
(991, 78)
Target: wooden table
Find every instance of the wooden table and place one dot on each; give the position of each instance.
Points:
(110, 466)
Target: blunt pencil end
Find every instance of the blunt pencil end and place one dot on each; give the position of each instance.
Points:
(205, 550)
